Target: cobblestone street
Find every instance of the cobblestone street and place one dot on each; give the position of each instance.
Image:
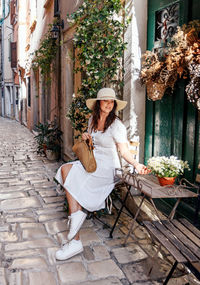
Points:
(33, 226)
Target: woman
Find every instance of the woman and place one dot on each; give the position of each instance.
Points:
(89, 190)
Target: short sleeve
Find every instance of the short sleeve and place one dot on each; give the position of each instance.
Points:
(119, 132)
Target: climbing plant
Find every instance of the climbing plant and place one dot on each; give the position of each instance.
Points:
(44, 56)
(99, 41)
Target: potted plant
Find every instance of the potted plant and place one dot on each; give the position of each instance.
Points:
(49, 140)
(176, 58)
(167, 168)
(41, 137)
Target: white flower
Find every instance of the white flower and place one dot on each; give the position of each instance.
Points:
(71, 21)
(87, 61)
(169, 167)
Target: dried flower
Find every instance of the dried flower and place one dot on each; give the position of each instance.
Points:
(161, 68)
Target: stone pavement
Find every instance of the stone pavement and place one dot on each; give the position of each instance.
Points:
(33, 226)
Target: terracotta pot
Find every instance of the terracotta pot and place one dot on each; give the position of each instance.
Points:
(52, 155)
(44, 148)
(166, 180)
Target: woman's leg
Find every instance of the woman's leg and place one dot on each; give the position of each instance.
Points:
(77, 217)
(74, 206)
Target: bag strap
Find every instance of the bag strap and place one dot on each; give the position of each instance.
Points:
(89, 142)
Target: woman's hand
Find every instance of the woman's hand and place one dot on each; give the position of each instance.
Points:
(142, 169)
(86, 136)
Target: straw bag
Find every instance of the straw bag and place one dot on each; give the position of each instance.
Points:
(84, 152)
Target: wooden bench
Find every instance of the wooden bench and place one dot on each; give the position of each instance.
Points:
(181, 239)
(197, 181)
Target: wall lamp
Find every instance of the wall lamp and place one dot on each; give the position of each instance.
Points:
(56, 29)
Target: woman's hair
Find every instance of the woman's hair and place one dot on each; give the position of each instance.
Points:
(96, 116)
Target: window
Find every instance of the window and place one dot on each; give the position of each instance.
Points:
(167, 21)
(29, 91)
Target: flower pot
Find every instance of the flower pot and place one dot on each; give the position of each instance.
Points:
(44, 148)
(52, 155)
(166, 180)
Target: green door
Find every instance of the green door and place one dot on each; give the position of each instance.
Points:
(173, 124)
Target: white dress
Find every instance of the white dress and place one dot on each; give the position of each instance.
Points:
(91, 189)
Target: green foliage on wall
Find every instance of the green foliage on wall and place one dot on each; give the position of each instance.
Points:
(46, 53)
(99, 40)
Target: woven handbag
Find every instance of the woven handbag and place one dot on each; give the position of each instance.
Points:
(84, 152)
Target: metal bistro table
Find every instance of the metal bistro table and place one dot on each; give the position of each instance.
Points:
(151, 190)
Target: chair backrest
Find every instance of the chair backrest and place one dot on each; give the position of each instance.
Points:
(134, 149)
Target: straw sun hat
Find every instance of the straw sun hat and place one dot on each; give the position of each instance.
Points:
(106, 94)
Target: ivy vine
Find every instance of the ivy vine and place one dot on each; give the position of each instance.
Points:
(46, 53)
(100, 44)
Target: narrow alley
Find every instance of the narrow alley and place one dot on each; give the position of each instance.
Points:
(33, 225)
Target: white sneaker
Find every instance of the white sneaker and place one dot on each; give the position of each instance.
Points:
(77, 220)
(70, 249)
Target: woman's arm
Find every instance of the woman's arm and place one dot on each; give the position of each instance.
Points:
(127, 155)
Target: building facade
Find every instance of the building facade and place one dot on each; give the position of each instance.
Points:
(9, 84)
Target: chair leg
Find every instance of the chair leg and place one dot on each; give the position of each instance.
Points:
(170, 273)
(133, 222)
(91, 215)
(119, 213)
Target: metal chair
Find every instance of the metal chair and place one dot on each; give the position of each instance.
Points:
(125, 176)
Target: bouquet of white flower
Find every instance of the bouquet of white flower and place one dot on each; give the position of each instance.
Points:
(163, 166)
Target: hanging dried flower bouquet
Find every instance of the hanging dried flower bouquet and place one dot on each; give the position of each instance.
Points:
(181, 56)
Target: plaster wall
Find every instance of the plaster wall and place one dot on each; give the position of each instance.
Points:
(134, 93)
(21, 31)
(37, 21)
(66, 98)
(43, 17)
(7, 38)
(68, 7)
(67, 77)
(7, 74)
